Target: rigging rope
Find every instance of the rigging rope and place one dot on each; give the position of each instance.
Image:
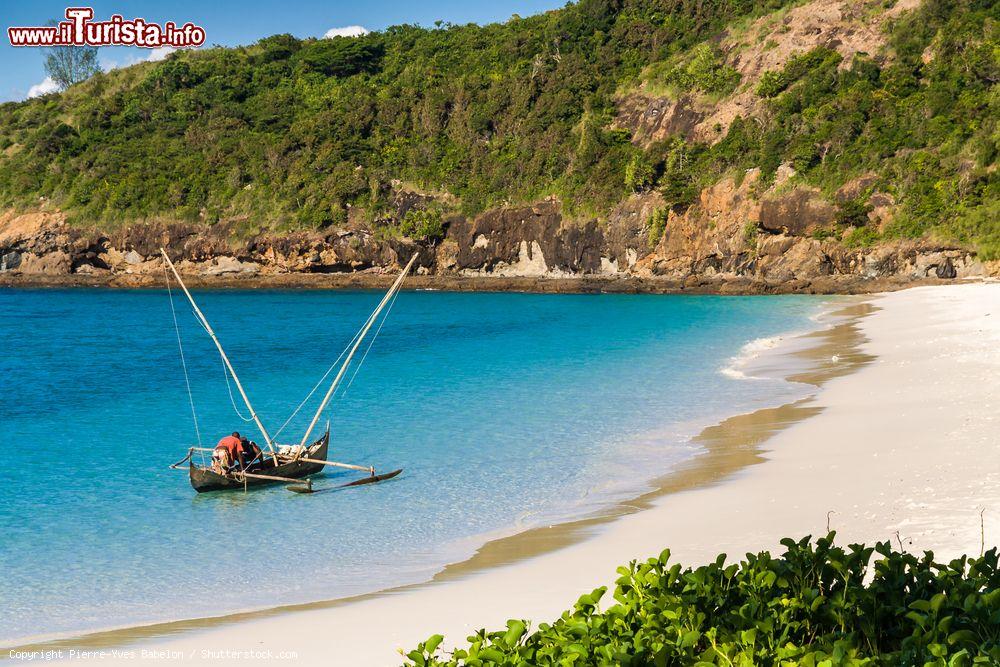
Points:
(318, 384)
(180, 346)
(361, 363)
(329, 370)
(232, 399)
(225, 371)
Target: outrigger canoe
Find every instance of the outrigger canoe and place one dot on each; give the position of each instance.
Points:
(286, 467)
(278, 464)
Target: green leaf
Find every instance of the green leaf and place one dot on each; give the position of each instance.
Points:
(490, 653)
(962, 637)
(690, 638)
(431, 644)
(515, 630)
(960, 659)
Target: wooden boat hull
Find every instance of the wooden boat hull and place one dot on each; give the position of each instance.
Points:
(206, 479)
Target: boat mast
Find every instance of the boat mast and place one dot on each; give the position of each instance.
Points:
(357, 343)
(225, 359)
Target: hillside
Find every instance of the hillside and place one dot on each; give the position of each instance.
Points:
(776, 141)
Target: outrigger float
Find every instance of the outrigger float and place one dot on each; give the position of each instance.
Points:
(291, 465)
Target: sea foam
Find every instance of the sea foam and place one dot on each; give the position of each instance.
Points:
(737, 366)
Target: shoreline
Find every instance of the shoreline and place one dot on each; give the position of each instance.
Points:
(725, 450)
(581, 284)
(896, 450)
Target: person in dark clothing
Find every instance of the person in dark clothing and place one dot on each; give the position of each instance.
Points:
(251, 452)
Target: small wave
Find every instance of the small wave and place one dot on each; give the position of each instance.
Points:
(748, 353)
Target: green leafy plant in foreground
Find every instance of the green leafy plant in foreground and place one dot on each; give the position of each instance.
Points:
(810, 606)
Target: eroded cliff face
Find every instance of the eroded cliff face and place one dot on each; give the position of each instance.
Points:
(733, 239)
(787, 238)
(848, 27)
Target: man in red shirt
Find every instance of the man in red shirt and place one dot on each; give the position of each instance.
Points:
(227, 452)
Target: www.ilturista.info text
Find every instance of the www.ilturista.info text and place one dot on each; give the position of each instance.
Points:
(80, 30)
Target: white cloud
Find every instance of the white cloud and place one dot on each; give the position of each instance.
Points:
(346, 31)
(107, 64)
(160, 53)
(152, 56)
(44, 88)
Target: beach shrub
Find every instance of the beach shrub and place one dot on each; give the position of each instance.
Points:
(816, 604)
(861, 237)
(751, 232)
(774, 82)
(853, 212)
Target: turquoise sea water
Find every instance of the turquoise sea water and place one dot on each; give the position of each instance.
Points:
(506, 411)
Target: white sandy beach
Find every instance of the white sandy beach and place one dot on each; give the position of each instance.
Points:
(908, 443)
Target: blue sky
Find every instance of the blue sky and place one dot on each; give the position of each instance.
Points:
(231, 23)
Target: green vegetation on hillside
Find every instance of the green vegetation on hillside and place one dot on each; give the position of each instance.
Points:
(701, 70)
(927, 130)
(290, 134)
(816, 605)
(293, 131)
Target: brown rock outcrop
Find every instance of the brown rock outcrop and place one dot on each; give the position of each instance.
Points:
(799, 212)
(652, 119)
(731, 240)
(526, 241)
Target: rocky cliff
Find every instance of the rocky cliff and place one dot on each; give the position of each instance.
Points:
(734, 239)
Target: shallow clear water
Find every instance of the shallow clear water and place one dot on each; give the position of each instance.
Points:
(506, 410)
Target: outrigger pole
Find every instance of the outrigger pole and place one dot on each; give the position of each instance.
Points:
(357, 343)
(225, 359)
